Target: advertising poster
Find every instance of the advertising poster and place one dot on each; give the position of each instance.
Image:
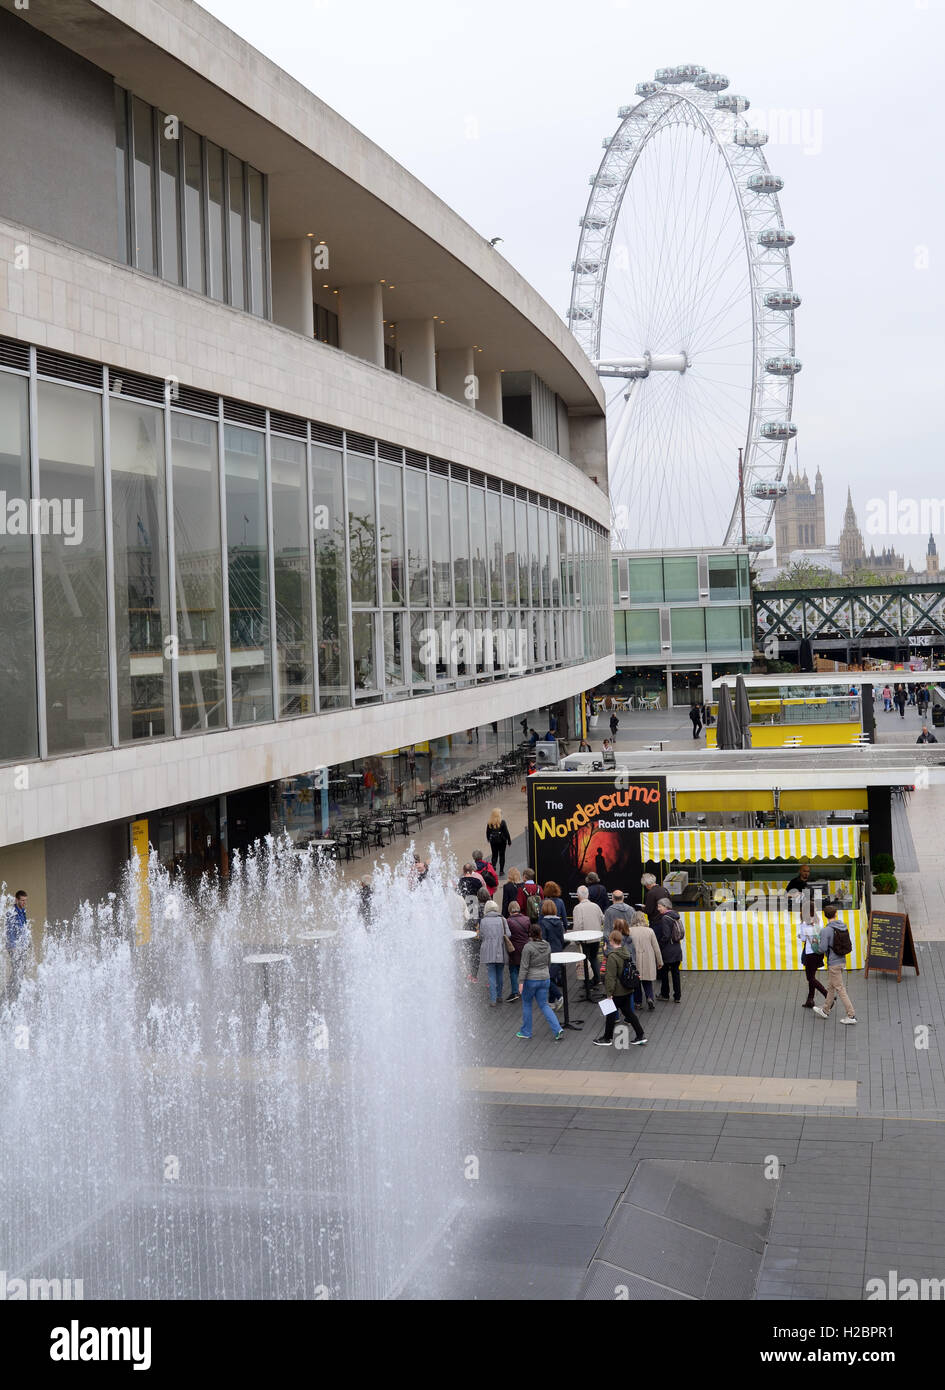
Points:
(580, 824)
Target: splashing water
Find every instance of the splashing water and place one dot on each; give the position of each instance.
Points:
(261, 1101)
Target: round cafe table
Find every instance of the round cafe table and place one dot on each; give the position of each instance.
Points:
(585, 938)
(265, 961)
(463, 935)
(567, 958)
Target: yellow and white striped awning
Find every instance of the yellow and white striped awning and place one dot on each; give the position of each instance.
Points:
(694, 846)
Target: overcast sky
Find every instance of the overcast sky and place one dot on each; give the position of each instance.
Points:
(499, 106)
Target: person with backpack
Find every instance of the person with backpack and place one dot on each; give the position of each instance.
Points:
(533, 983)
(518, 931)
(529, 897)
(489, 876)
(646, 949)
(497, 833)
(670, 933)
(620, 980)
(812, 957)
(836, 944)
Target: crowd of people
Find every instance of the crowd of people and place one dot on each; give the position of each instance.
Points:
(525, 926)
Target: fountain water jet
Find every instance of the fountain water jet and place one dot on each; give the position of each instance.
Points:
(244, 1106)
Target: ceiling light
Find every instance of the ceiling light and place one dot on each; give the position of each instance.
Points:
(324, 287)
(309, 233)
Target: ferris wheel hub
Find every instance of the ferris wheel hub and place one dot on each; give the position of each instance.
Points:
(636, 367)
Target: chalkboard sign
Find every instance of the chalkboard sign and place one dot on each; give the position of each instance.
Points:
(890, 944)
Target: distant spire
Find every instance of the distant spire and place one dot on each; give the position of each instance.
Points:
(932, 550)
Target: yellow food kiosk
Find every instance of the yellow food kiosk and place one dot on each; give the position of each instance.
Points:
(729, 888)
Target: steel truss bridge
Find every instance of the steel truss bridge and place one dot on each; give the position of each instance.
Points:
(851, 621)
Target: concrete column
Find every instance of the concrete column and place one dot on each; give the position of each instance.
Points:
(669, 687)
(292, 285)
(416, 347)
(707, 682)
(361, 322)
(452, 369)
(490, 395)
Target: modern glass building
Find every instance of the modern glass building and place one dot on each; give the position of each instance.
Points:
(680, 619)
(294, 468)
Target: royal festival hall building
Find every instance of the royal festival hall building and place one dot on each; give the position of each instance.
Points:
(297, 472)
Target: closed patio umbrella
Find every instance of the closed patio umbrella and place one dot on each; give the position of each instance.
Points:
(727, 731)
(743, 711)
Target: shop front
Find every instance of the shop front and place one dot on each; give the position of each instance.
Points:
(730, 887)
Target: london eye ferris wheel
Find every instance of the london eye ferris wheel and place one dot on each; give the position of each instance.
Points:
(682, 296)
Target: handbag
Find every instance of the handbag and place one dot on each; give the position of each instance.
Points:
(509, 945)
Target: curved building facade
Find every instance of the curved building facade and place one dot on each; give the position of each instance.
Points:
(295, 468)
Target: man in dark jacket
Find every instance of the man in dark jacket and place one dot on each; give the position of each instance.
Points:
(596, 891)
(620, 952)
(652, 893)
(695, 714)
(925, 736)
(670, 950)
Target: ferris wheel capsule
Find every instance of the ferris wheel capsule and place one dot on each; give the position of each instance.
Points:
(710, 82)
(646, 89)
(765, 183)
(585, 267)
(774, 237)
(768, 491)
(751, 137)
(601, 180)
(730, 102)
(778, 429)
(592, 223)
(615, 142)
(782, 299)
(759, 542)
(782, 366)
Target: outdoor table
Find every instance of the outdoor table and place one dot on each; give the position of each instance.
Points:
(316, 935)
(385, 823)
(463, 935)
(585, 937)
(449, 798)
(331, 846)
(406, 814)
(265, 961)
(567, 958)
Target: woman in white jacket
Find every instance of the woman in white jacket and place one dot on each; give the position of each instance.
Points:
(648, 954)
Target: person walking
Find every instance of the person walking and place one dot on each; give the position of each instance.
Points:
(587, 916)
(649, 959)
(695, 715)
(887, 699)
(900, 701)
(534, 980)
(670, 934)
(17, 941)
(489, 876)
(836, 944)
(619, 910)
(618, 986)
(614, 726)
(925, 736)
(921, 701)
(510, 892)
(493, 952)
(518, 932)
(812, 957)
(497, 833)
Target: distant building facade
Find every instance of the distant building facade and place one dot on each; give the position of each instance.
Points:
(799, 516)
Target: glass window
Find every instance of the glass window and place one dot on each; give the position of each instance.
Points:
(198, 572)
(744, 578)
(142, 606)
(642, 631)
(71, 487)
(331, 567)
(508, 540)
(723, 628)
(563, 560)
(389, 482)
(494, 523)
(290, 541)
(422, 649)
(365, 654)
(746, 629)
(687, 629)
(361, 531)
(459, 508)
(236, 250)
(121, 170)
(169, 150)
(545, 534)
(18, 724)
(533, 554)
(196, 278)
(256, 300)
(620, 632)
(723, 576)
(521, 547)
(440, 540)
(616, 584)
(418, 540)
(680, 577)
(646, 581)
(217, 284)
(393, 652)
(143, 185)
(248, 574)
(477, 536)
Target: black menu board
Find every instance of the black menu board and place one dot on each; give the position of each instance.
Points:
(890, 944)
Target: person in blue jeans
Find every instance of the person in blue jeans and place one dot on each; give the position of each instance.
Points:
(493, 952)
(533, 982)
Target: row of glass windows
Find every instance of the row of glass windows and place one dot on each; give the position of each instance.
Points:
(703, 630)
(675, 578)
(189, 211)
(248, 575)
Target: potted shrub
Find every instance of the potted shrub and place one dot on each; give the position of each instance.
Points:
(885, 891)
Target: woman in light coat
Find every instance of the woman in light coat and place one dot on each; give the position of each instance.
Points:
(493, 953)
(648, 954)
